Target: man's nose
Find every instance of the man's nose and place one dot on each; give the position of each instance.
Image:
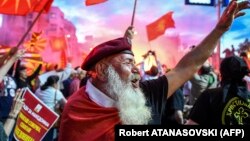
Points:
(135, 69)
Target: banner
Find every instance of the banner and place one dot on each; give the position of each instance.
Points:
(34, 120)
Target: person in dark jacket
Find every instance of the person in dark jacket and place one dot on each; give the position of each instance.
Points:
(228, 104)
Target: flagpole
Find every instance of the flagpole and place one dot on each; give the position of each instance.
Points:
(26, 33)
(219, 42)
(30, 27)
(133, 16)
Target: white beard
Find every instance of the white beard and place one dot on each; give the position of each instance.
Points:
(131, 102)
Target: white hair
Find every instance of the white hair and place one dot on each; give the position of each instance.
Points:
(131, 101)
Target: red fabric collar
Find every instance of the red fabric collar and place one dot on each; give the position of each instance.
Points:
(83, 119)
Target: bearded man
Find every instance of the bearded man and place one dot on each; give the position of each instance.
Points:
(113, 95)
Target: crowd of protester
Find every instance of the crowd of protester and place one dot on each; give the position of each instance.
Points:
(46, 85)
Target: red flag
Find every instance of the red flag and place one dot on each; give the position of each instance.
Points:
(93, 2)
(18, 7)
(63, 59)
(158, 27)
(36, 43)
(46, 4)
(58, 43)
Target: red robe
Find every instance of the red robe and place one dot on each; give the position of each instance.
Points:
(83, 119)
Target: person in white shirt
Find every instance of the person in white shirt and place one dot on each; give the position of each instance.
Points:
(154, 72)
(63, 75)
(50, 94)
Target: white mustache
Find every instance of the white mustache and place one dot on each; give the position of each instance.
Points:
(135, 76)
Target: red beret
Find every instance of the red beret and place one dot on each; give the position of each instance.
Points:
(119, 45)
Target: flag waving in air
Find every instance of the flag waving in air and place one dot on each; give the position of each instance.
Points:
(36, 43)
(159, 26)
(93, 2)
(23, 7)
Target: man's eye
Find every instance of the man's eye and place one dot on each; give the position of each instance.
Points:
(129, 63)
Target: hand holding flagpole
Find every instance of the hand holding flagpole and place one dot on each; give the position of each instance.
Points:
(130, 30)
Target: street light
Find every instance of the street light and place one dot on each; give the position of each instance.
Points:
(68, 44)
(68, 35)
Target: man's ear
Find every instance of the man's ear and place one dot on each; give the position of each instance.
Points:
(101, 72)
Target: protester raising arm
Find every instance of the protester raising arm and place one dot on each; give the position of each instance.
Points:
(14, 57)
(192, 61)
(15, 109)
